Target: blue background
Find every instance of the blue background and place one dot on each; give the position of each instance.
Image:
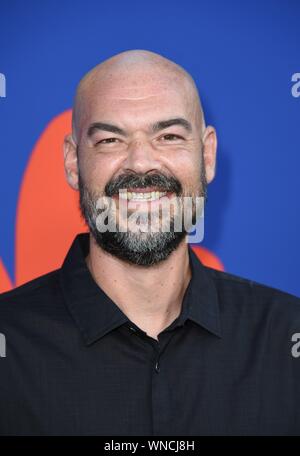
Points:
(242, 55)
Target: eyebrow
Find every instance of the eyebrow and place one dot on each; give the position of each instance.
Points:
(157, 126)
(162, 124)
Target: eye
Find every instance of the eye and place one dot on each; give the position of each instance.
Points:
(172, 137)
(106, 141)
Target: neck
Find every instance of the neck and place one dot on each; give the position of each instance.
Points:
(150, 297)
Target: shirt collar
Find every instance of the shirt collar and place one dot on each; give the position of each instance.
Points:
(203, 299)
(96, 314)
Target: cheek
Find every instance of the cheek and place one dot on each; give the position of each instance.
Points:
(97, 171)
(186, 166)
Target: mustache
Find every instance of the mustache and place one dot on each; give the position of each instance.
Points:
(159, 181)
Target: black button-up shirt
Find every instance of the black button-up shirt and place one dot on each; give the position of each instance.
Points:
(74, 364)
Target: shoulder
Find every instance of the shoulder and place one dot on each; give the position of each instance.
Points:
(32, 294)
(253, 298)
(238, 284)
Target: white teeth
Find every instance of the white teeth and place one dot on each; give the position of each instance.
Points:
(123, 195)
(147, 196)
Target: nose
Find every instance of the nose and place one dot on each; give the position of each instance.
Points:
(141, 157)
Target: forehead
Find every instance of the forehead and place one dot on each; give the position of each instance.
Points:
(136, 103)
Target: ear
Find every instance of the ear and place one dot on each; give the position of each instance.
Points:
(209, 152)
(71, 161)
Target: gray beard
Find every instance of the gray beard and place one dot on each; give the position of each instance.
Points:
(143, 249)
(146, 249)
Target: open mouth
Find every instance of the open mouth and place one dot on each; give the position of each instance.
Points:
(142, 194)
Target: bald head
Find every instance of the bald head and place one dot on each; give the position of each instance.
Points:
(134, 74)
(137, 123)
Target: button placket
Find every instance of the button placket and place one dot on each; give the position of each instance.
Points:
(157, 367)
(161, 398)
(157, 348)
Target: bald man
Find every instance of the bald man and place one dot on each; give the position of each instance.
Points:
(133, 335)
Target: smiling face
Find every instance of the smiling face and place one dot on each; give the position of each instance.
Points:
(138, 129)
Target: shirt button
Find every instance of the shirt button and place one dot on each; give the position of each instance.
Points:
(132, 329)
(157, 367)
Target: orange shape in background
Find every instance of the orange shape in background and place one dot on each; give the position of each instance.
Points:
(208, 258)
(48, 215)
(5, 282)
